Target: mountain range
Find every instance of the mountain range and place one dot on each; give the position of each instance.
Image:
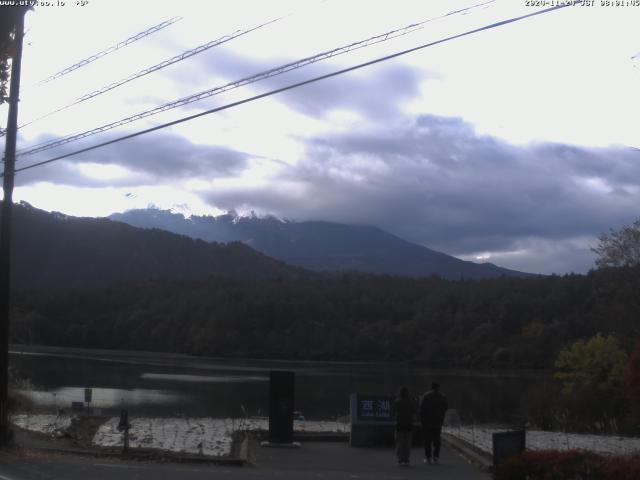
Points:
(316, 245)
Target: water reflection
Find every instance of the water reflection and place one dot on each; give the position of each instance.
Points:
(181, 385)
(202, 378)
(101, 397)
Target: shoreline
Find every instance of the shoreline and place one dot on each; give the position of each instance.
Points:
(205, 437)
(208, 437)
(138, 357)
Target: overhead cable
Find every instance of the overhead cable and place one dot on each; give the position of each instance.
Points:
(242, 82)
(154, 68)
(111, 49)
(294, 85)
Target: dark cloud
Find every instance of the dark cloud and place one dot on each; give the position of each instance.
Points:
(358, 91)
(438, 183)
(152, 158)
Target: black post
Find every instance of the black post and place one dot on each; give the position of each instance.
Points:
(126, 439)
(5, 226)
(124, 426)
(281, 403)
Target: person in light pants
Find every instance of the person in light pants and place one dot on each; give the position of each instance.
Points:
(405, 411)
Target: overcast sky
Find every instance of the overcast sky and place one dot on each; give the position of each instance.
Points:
(513, 145)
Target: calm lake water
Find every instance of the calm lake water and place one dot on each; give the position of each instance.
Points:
(153, 384)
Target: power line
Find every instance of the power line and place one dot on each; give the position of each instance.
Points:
(111, 49)
(206, 94)
(295, 85)
(154, 68)
(242, 82)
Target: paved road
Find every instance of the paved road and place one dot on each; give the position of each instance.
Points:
(314, 460)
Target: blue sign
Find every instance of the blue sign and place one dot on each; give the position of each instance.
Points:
(374, 408)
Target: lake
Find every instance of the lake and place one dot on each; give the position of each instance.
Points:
(157, 384)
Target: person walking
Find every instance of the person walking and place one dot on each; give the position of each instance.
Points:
(433, 406)
(405, 411)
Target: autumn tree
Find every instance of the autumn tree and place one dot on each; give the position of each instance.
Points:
(8, 19)
(619, 248)
(592, 374)
(632, 381)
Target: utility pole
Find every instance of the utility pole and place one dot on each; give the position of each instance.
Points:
(5, 226)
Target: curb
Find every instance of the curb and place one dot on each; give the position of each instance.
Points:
(308, 436)
(150, 455)
(321, 437)
(472, 454)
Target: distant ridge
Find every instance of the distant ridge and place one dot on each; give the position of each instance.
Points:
(321, 246)
(53, 250)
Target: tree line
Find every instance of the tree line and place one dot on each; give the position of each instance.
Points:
(503, 322)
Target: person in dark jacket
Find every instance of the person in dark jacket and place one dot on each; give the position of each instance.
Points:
(405, 411)
(433, 406)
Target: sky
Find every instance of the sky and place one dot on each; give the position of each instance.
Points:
(514, 145)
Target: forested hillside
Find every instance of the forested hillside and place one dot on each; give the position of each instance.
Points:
(506, 322)
(55, 250)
